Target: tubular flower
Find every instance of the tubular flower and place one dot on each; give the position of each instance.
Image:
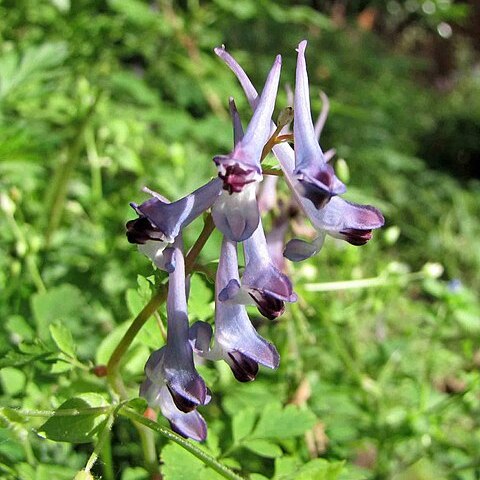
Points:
(160, 221)
(262, 282)
(237, 215)
(235, 340)
(173, 365)
(317, 180)
(338, 218)
(189, 425)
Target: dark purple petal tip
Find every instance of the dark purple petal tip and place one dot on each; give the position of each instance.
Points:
(140, 230)
(269, 306)
(244, 368)
(356, 237)
(188, 397)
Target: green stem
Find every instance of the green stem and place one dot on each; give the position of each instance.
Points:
(148, 447)
(207, 459)
(380, 281)
(67, 412)
(102, 438)
(107, 459)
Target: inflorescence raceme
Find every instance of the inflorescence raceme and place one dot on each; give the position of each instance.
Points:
(237, 198)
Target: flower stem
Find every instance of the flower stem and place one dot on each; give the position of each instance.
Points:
(207, 459)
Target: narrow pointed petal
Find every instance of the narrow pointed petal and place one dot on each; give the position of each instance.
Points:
(316, 178)
(322, 118)
(307, 148)
(237, 123)
(242, 166)
(168, 219)
(258, 130)
(237, 215)
(249, 89)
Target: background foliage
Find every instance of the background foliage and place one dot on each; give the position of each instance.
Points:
(380, 375)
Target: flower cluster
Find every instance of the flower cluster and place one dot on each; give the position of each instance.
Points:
(237, 197)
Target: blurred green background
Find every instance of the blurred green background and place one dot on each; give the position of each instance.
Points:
(99, 98)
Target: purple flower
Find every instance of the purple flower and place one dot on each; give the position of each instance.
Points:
(236, 212)
(189, 425)
(338, 218)
(235, 340)
(317, 180)
(261, 282)
(160, 222)
(173, 365)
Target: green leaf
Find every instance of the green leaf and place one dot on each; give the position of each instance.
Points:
(178, 464)
(242, 424)
(278, 422)
(82, 425)
(264, 448)
(63, 338)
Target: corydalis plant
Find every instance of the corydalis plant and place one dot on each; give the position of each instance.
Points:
(236, 199)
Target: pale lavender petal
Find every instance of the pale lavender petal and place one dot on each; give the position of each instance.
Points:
(237, 215)
(237, 123)
(163, 221)
(317, 179)
(242, 166)
(268, 287)
(322, 118)
(348, 221)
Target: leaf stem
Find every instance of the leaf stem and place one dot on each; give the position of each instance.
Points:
(207, 459)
